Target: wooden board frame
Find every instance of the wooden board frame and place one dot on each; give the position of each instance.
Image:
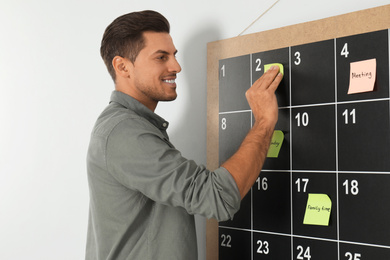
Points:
(364, 21)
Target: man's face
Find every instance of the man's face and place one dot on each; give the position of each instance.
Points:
(154, 71)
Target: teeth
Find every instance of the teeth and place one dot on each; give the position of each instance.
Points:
(169, 81)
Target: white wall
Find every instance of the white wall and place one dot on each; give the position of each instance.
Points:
(53, 85)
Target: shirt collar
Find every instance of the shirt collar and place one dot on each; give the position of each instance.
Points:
(131, 103)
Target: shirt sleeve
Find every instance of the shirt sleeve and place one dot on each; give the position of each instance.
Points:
(141, 158)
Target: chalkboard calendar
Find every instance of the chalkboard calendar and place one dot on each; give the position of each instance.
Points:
(335, 143)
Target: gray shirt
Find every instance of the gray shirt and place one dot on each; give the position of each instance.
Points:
(143, 192)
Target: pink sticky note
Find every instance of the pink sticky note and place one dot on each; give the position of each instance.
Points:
(362, 76)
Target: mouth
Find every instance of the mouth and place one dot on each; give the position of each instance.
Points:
(169, 81)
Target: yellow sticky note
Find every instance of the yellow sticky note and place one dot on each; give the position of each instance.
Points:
(362, 76)
(268, 66)
(276, 144)
(318, 210)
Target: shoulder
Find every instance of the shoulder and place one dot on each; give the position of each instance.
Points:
(119, 119)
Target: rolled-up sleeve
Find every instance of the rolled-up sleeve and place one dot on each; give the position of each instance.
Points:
(140, 157)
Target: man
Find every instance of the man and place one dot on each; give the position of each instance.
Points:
(143, 192)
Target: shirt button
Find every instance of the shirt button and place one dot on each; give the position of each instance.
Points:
(165, 124)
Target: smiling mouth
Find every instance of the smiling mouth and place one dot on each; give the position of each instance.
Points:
(170, 81)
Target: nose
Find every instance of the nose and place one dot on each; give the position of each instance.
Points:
(174, 66)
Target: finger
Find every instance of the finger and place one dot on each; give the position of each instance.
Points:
(268, 77)
(275, 83)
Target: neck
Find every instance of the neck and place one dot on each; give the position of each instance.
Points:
(140, 98)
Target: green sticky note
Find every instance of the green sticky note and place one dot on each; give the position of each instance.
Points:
(318, 210)
(276, 144)
(268, 66)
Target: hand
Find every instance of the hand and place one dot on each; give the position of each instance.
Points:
(262, 99)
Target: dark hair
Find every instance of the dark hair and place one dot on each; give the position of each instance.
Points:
(124, 36)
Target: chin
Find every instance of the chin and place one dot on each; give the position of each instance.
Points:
(170, 98)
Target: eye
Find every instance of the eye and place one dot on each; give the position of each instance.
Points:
(162, 57)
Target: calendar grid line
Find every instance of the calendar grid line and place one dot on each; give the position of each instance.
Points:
(307, 237)
(234, 112)
(337, 153)
(250, 80)
(291, 166)
(313, 105)
(328, 172)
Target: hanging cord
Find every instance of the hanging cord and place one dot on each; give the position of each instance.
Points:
(258, 18)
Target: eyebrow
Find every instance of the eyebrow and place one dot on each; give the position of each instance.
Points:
(165, 52)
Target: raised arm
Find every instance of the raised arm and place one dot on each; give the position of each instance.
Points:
(246, 164)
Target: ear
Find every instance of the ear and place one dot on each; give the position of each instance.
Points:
(121, 66)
